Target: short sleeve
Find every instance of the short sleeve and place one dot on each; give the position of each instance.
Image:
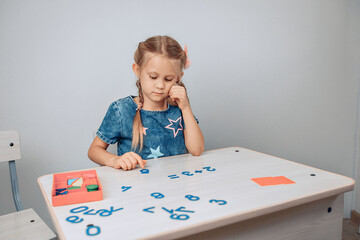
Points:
(110, 128)
(196, 120)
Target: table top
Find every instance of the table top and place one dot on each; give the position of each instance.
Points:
(183, 195)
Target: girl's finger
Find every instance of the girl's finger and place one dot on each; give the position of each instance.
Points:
(128, 163)
(133, 162)
(138, 159)
(122, 165)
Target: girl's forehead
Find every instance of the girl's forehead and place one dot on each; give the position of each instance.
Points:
(161, 63)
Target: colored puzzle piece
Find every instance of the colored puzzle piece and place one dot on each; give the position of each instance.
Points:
(71, 181)
(78, 182)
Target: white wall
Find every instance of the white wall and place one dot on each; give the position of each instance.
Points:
(354, 70)
(280, 77)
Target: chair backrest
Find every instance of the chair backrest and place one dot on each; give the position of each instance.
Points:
(9, 152)
(9, 146)
(23, 224)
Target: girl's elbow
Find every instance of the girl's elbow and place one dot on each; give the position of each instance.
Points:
(197, 152)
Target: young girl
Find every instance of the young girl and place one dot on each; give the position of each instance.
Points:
(157, 123)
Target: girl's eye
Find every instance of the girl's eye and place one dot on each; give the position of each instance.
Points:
(152, 77)
(168, 79)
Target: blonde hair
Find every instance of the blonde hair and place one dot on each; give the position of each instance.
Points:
(163, 45)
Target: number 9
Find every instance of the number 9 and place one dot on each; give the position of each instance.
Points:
(179, 216)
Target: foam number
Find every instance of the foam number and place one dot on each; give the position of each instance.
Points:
(192, 197)
(90, 212)
(74, 219)
(157, 195)
(173, 176)
(106, 213)
(209, 169)
(92, 230)
(179, 216)
(219, 202)
(187, 173)
(79, 209)
(182, 209)
(144, 171)
(169, 211)
(125, 188)
(101, 212)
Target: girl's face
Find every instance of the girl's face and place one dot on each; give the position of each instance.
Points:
(157, 76)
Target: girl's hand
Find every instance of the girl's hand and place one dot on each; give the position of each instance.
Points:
(128, 161)
(178, 94)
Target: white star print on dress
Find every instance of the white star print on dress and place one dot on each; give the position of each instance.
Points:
(155, 153)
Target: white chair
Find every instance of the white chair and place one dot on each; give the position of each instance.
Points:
(23, 224)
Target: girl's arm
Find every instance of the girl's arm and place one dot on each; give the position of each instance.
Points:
(194, 139)
(98, 154)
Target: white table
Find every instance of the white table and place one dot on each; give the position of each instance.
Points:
(311, 208)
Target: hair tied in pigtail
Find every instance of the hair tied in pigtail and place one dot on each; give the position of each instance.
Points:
(139, 107)
(187, 62)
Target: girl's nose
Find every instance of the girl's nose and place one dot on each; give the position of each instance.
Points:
(160, 84)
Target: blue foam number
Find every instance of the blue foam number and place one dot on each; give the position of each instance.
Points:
(95, 230)
(219, 202)
(144, 171)
(157, 195)
(79, 209)
(169, 211)
(209, 169)
(187, 173)
(106, 213)
(74, 219)
(192, 197)
(182, 209)
(179, 216)
(173, 176)
(125, 188)
(90, 212)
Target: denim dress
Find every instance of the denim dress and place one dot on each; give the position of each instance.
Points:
(163, 130)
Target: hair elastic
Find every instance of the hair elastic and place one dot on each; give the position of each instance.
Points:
(187, 61)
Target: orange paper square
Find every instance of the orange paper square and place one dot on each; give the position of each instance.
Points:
(269, 181)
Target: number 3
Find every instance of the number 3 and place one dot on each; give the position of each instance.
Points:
(220, 202)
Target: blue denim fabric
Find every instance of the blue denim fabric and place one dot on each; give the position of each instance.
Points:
(164, 129)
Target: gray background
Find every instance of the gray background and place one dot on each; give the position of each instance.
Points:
(279, 77)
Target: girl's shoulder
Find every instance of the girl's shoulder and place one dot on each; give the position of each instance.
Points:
(125, 104)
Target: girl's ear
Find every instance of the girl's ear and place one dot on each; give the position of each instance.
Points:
(181, 75)
(136, 70)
